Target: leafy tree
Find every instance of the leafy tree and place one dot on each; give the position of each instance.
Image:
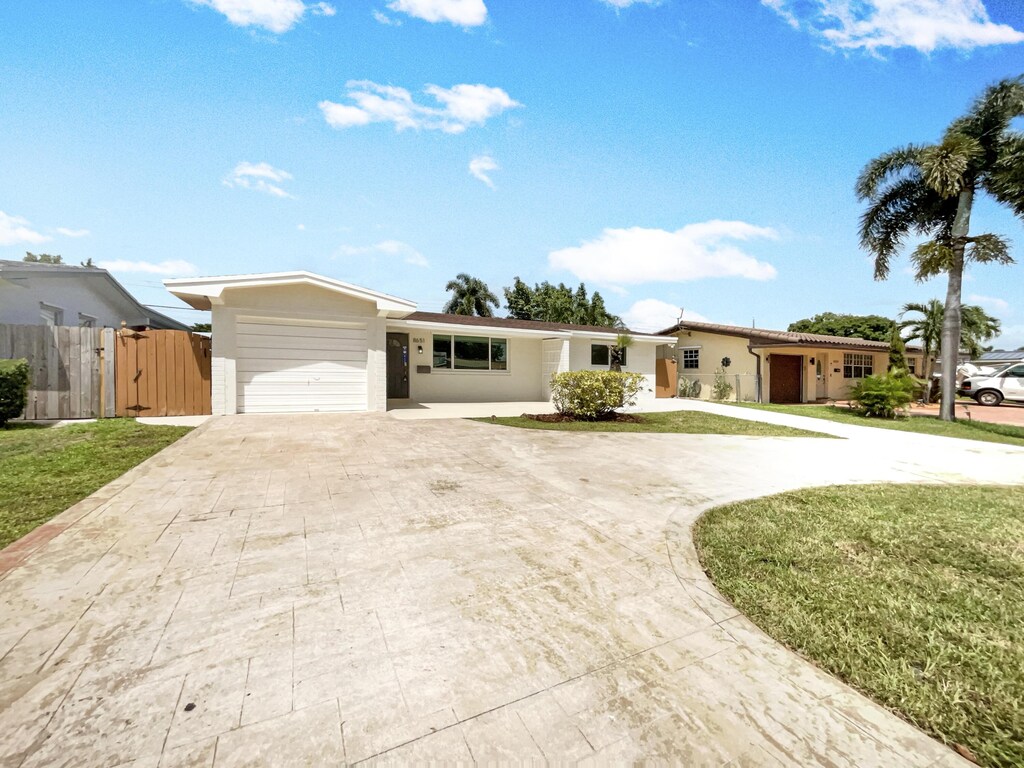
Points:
(558, 304)
(88, 262)
(929, 191)
(202, 327)
(470, 296)
(897, 354)
(874, 327)
(976, 328)
(43, 258)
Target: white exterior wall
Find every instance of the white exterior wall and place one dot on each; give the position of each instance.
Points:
(296, 303)
(73, 295)
(521, 382)
(640, 358)
(554, 359)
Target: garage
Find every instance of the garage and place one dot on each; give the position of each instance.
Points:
(292, 366)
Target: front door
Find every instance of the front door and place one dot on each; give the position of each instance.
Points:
(821, 374)
(784, 378)
(398, 366)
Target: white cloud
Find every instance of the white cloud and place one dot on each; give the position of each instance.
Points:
(389, 248)
(462, 106)
(649, 315)
(14, 230)
(383, 18)
(1011, 337)
(990, 302)
(275, 16)
(73, 232)
(174, 267)
(876, 24)
(261, 177)
(481, 165)
(627, 3)
(462, 13)
(639, 255)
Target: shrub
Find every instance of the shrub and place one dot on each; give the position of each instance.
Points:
(593, 395)
(883, 396)
(14, 375)
(721, 389)
(689, 388)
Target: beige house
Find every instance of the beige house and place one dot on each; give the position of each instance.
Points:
(775, 366)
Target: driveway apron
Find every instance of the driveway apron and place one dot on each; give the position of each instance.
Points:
(328, 589)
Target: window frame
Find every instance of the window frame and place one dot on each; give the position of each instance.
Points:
(595, 347)
(854, 362)
(49, 312)
(451, 368)
(695, 353)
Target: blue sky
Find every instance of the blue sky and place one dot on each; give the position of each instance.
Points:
(670, 154)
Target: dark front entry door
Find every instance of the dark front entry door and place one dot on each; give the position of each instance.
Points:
(785, 374)
(398, 365)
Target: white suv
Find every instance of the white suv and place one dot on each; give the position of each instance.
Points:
(993, 388)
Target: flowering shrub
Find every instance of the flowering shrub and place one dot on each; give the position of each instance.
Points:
(593, 395)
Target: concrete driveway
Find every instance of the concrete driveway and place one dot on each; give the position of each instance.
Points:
(308, 590)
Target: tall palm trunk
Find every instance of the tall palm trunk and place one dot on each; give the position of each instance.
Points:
(951, 317)
(928, 365)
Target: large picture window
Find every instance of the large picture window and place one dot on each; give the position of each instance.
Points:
(858, 366)
(600, 354)
(470, 353)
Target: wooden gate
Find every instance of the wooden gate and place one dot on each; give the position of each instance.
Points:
(161, 373)
(72, 369)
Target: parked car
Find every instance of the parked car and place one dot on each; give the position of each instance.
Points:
(992, 388)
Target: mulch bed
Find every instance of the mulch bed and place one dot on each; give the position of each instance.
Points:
(559, 418)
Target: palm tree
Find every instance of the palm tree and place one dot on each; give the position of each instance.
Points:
(470, 296)
(976, 327)
(930, 190)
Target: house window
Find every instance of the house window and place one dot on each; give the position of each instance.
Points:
(470, 353)
(86, 321)
(691, 358)
(912, 365)
(858, 366)
(51, 315)
(600, 354)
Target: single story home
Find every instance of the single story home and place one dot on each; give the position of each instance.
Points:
(776, 366)
(298, 342)
(34, 293)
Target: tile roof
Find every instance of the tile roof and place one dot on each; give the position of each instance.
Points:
(766, 336)
(511, 322)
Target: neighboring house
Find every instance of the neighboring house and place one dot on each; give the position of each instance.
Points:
(778, 366)
(299, 342)
(60, 294)
(998, 358)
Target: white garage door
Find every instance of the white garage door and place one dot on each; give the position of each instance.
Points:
(295, 367)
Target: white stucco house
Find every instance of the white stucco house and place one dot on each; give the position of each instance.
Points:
(61, 294)
(298, 342)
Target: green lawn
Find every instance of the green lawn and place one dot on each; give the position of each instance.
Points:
(681, 422)
(47, 469)
(926, 425)
(912, 594)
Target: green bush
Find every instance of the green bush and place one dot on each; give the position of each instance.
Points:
(689, 388)
(14, 375)
(721, 389)
(591, 395)
(883, 396)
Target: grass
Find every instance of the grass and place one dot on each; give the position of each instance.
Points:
(925, 425)
(912, 594)
(678, 422)
(45, 470)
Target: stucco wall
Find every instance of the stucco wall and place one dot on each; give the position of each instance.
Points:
(640, 358)
(19, 301)
(293, 302)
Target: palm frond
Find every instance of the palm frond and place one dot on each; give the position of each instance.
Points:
(931, 258)
(949, 167)
(885, 168)
(988, 249)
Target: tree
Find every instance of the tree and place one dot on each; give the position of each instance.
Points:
(976, 328)
(88, 263)
(897, 354)
(202, 327)
(558, 304)
(470, 296)
(874, 327)
(929, 191)
(43, 258)
(618, 351)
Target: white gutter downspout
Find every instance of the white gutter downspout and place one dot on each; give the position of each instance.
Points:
(758, 358)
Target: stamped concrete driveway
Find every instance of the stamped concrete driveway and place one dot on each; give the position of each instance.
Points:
(313, 590)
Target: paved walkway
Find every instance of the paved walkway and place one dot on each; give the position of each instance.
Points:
(307, 590)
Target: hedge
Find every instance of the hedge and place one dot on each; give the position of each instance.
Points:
(592, 395)
(14, 376)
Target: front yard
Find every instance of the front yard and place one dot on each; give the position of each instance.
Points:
(47, 469)
(912, 594)
(679, 422)
(925, 425)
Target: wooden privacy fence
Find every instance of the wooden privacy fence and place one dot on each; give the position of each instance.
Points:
(161, 373)
(72, 369)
